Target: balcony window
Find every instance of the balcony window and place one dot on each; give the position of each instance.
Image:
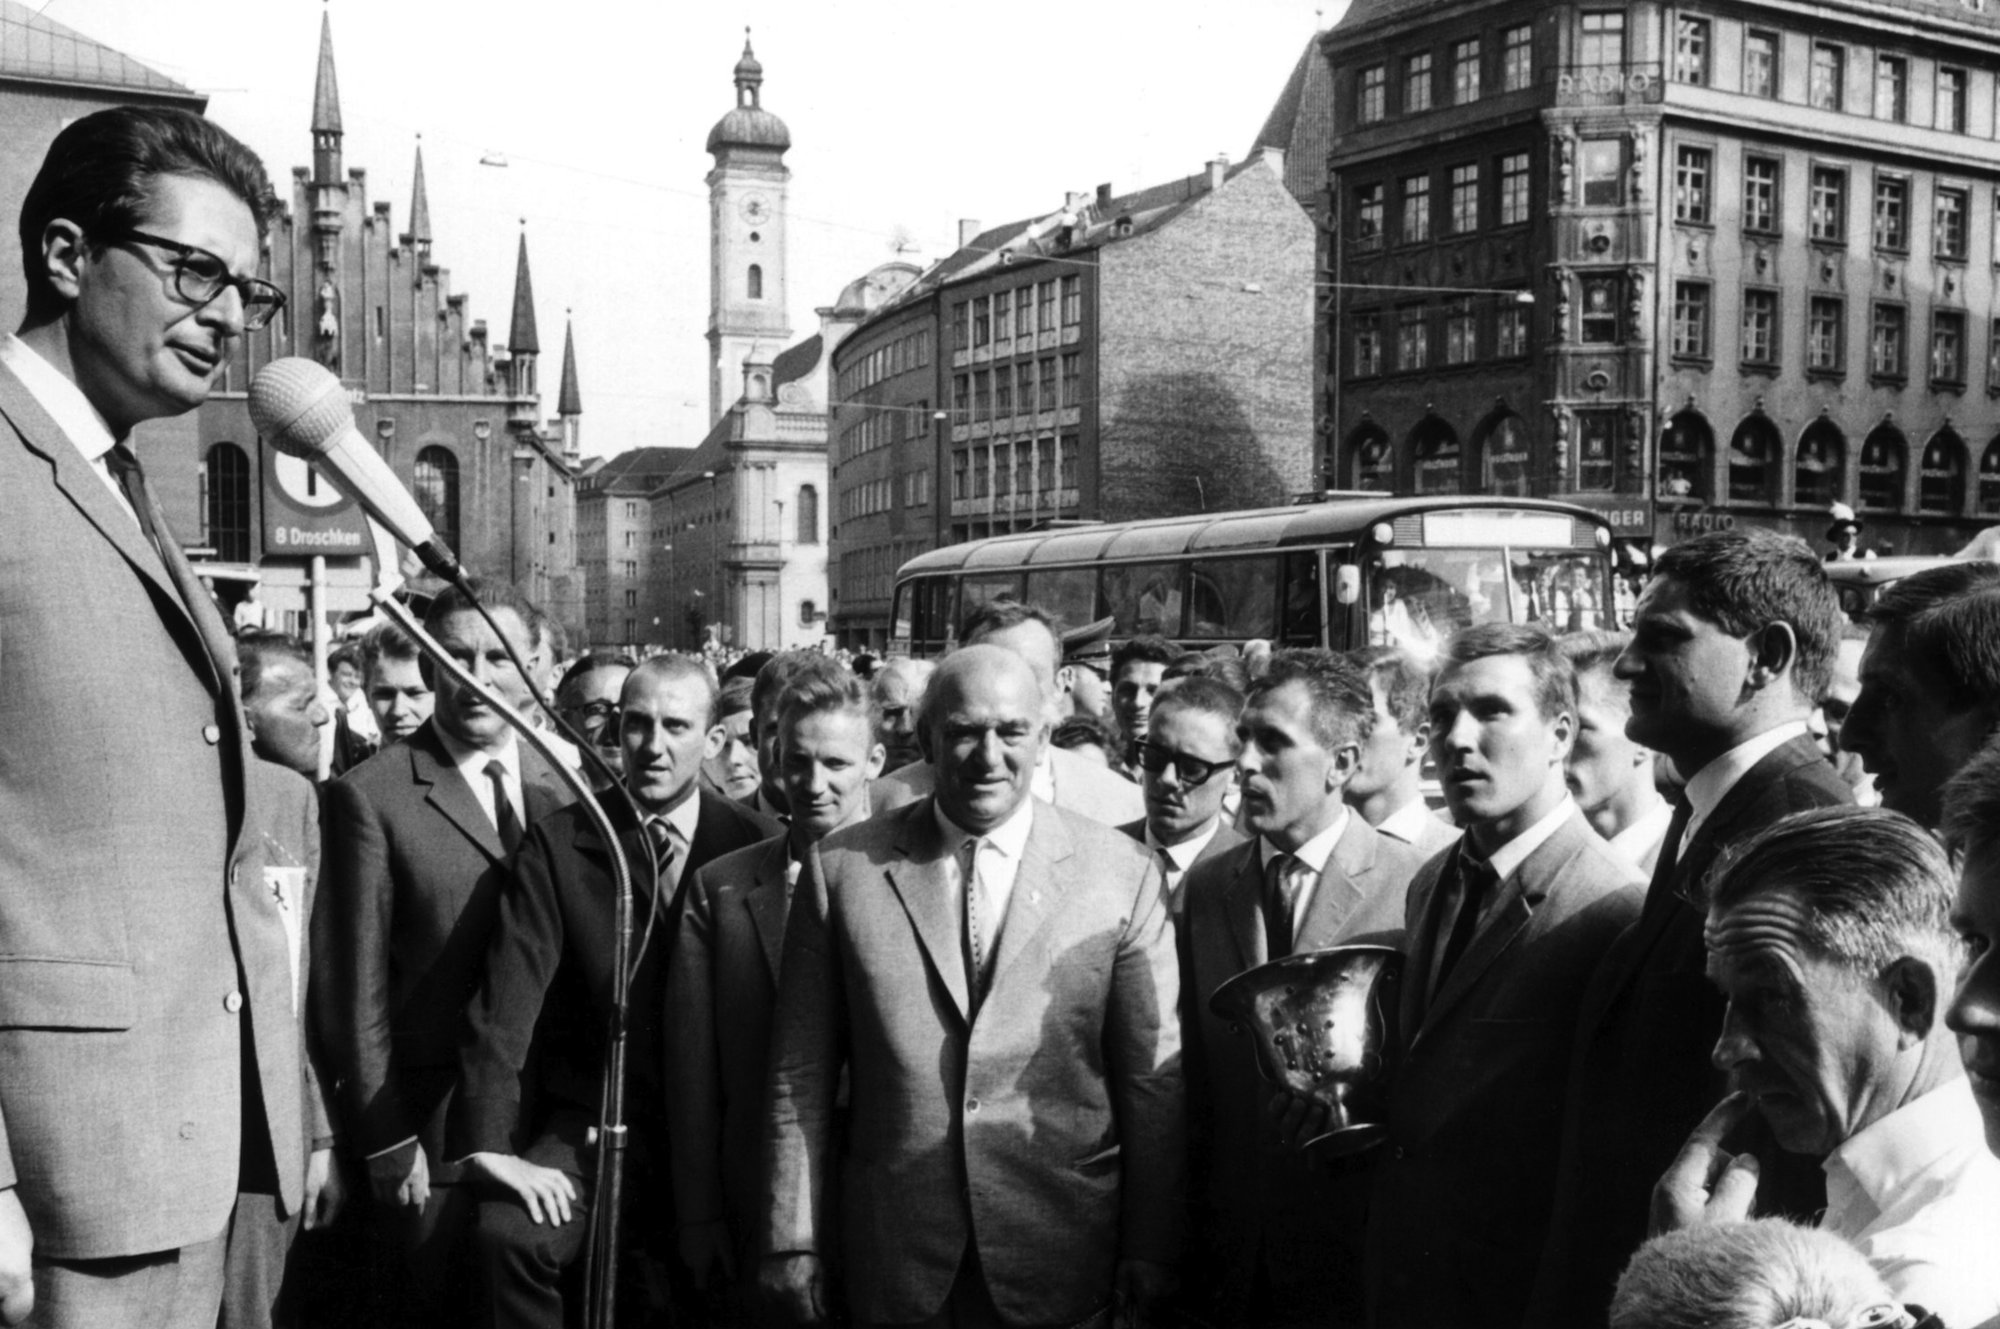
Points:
(1602, 44)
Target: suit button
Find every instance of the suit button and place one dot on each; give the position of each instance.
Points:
(211, 733)
(233, 1002)
(972, 1105)
(187, 1130)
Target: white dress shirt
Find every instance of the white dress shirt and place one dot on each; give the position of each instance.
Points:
(1408, 822)
(1308, 864)
(1176, 859)
(1919, 1195)
(1712, 783)
(472, 762)
(1639, 839)
(682, 818)
(1505, 862)
(999, 862)
(69, 408)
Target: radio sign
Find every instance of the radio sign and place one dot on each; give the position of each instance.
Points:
(304, 515)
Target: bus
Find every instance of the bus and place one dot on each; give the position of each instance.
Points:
(1339, 572)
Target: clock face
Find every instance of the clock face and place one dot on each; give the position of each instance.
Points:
(755, 209)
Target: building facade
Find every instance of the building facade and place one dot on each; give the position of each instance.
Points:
(615, 545)
(1127, 356)
(1693, 265)
(746, 235)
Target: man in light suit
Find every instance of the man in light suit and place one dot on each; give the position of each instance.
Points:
(1387, 788)
(1503, 931)
(1073, 782)
(996, 977)
(1730, 648)
(723, 977)
(149, 1053)
(1188, 766)
(417, 839)
(1280, 1243)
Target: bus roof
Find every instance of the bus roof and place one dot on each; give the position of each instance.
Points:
(1171, 537)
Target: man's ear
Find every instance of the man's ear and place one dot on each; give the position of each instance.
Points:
(1910, 988)
(713, 742)
(1346, 760)
(1419, 744)
(1564, 730)
(63, 252)
(878, 757)
(1774, 649)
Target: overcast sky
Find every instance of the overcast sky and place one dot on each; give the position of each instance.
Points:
(904, 117)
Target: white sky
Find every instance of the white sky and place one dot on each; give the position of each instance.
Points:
(904, 116)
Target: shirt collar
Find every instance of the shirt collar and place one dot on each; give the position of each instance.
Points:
(1709, 784)
(684, 816)
(1647, 831)
(1010, 837)
(55, 393)
(1184, 854)
(472, 761)
(1314, 852)
(1406, 823)
(1882, 1158)
(1507, 859)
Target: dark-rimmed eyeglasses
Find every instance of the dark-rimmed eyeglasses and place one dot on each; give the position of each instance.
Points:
(1191, 771)
(201, 277)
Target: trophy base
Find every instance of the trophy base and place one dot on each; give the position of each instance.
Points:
(1348, 1140)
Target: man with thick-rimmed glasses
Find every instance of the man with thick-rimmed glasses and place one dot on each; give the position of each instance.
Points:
(150, 1070)
(1187, 767)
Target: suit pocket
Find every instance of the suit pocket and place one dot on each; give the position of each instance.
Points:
(39, 993)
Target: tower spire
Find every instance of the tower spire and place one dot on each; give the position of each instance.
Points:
(569, 399)
(420, 203)
(522, 339)
(749, 74)
(326, 129)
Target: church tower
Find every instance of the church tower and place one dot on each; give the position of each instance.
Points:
(746, 221)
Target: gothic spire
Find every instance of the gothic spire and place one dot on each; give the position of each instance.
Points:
(326, 91)
(420, 203)
(569, 399)
(522, 340)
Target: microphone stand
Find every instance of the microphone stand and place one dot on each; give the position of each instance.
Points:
(606, 1203)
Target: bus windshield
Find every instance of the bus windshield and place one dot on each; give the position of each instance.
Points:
(1419, 597)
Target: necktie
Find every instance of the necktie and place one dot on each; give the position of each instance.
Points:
(980, 924)
(131, 480)
(666, 840)
(1281, 892)
(1661, 891)
(504, 820)
(1475, 882)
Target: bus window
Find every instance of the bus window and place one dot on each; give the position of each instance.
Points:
(904, 615)
(1299, 620)
(976, 589)
(1143, 598)
(1418, 597)
(1068, 593)
(929, 611)
(1232, 598)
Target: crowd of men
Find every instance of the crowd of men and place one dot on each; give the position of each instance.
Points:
(918, 1028)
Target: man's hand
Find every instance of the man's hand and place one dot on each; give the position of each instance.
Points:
(401, 1178)
(17, 1270)
(705, 1248)
(795, 1285)
(326, 1191)
(1297, 1120)
(1139, 1286)
(1706, 1184)
(545, 1192)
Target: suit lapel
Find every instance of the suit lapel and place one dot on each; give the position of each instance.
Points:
(765, 902)
(447, 791)
(1038, 887)
(918, 876)
(541, 788)
(1343, 886)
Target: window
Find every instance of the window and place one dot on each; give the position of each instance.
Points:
(1950, 100)
(1760, 63)
(1003, 316)
(1892, 88)
(1072, 301)
(1826, 319)
(1603, 44)
(1948, 347)
(1416, 209)
(1514, 189)
(1760, 194)
(1066, 459)
(1596, 450)
(808, 532)
(1024, 387)
(1368, 216)
(1603, 161)
(1517, 58)
(1024, 312)
(1829, 73)
(1892, 212)
(1886, 353)
(1465, 199)
(631, 599)
(1434, 445)
(1511, 332)
(1413, 344)
(1045, 466)
(961, 326)
(1465, 71)
(1941, 476)
(435, 482)
(982, 395)
(1072, 379)
(982, 473)
(1048, 294)
(1374, 98)
(1687, 457)
(1949, 223)
(961, 398)
(1461, 339)
(1993, 357)
(1374, 460)
(754, 282)
(1819, 472)
(226, 509)
(1045, 370)
(1753, 454)
(1691, 323)
(961, 471)
(1691, 50)
(1989, 480)
(1417, 83)
(982, 322)
(1883, 459)
(1827, 219)
(1600, 307)
(1693, 168)
(1367, 345)
(1760, 327)
(1003, 392)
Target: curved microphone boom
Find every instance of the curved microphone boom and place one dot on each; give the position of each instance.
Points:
(304, 411)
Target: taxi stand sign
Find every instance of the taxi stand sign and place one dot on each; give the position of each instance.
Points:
(305, 515)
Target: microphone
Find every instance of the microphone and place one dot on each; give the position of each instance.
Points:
(303, 409)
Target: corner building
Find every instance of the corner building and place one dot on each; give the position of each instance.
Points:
(1693, 266)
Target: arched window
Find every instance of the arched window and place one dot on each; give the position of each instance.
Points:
(808, 515)
(1884, 458)
(1435, 446)
(1941, 480)
(226, 478)
(1500, 448)
(756, 282)
(808, 613)
(1687, 458)
(1819, 472)
(1374, 460)
(436, 488)
(1989, 480)
(1753, 462)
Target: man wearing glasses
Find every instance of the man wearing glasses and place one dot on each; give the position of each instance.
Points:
(149, 1043)
(1281, 1242)
(1188, 765)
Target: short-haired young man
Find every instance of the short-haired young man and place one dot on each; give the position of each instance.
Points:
(1387, 788)
(398, 693)
(1610, 776)
(1137, 668)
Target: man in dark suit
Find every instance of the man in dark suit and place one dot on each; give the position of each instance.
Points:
(543, 1009)
(1504, 930)
(723, 976)
(995, 977)
(1280, 1243)
(1187, 767)
(1730, 649)
(417, 839)
(149, 1067)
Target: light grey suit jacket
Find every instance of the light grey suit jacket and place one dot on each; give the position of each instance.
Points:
(143, 966)
(1083, 786)
(1047, 1129)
